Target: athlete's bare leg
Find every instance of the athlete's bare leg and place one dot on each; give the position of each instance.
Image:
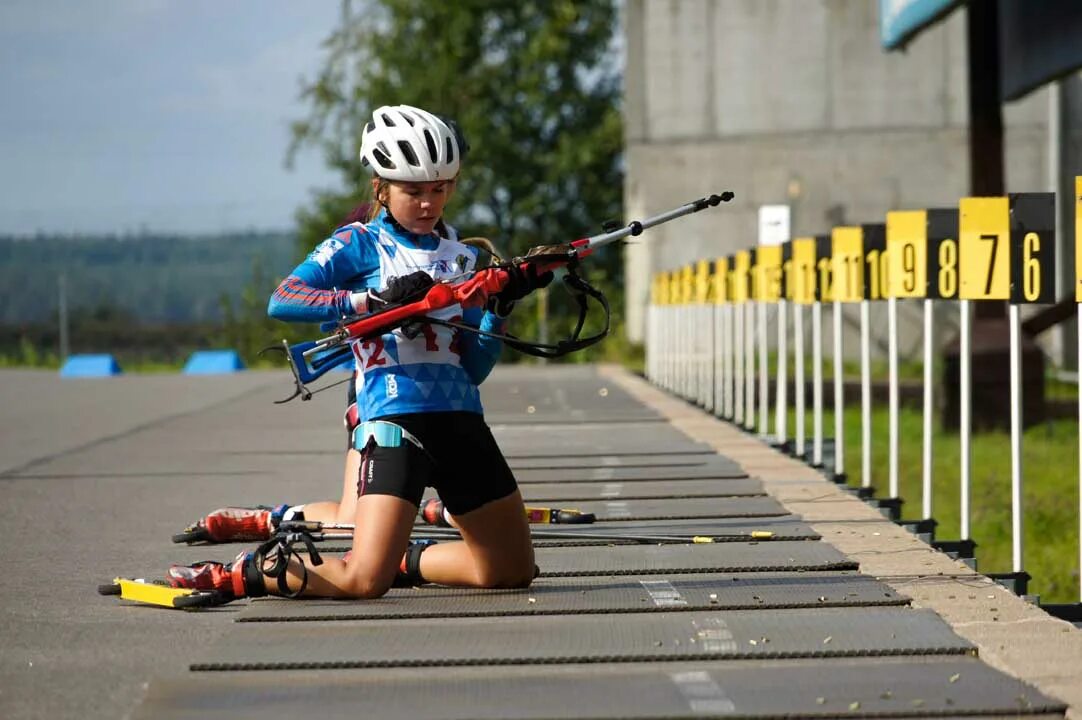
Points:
(496, 552)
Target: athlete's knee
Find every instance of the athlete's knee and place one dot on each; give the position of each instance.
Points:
(367, 586)
(364, 581)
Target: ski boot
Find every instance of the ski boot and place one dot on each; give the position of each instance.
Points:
(239, 524)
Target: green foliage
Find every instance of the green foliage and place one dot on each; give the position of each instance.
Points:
(535, 88)
(1050, 489)
(150, 278)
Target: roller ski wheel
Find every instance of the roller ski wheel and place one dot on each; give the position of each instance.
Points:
(193, 534)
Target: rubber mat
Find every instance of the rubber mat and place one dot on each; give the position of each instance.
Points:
(815, 633)
(681, 559)
(593, 461)
(553, 596)
(719, 469)
(642, 489)
(893, 687)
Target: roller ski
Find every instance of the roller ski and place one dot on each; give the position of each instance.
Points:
(433, 513)
(200, 585)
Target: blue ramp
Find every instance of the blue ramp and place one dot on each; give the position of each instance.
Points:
(94, 365)
(213, 362)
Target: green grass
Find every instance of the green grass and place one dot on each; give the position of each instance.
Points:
(1050, 461)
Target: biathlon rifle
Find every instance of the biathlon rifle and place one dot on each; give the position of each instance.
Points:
(309, 360)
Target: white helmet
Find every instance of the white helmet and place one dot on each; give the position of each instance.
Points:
(408, 144)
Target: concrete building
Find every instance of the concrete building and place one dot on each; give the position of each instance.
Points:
(797, 103)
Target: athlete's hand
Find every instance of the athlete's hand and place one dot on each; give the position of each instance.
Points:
(522, 282)
(402, 289)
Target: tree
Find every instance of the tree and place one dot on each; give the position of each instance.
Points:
(534, 85)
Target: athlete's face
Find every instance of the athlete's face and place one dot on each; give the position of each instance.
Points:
(417, 206)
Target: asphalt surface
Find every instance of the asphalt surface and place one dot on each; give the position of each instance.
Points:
(97, 474)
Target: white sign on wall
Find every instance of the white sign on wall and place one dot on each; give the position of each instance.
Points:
(773, 224)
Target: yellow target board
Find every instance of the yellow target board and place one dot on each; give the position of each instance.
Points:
(702, 282)
(907, 253)
(741, 276)
(687, 285)
(984, 233)
(824, 269)
(847, 250)
(1033, 243)
(876, 266)
(721, 281)
(803, 275)
(943, 254)
(1078, 238)
(768, 273)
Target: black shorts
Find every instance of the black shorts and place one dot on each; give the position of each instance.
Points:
(459, 458)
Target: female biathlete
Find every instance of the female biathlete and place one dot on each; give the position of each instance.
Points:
(419, 420)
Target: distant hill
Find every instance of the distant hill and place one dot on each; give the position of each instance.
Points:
(155, 278)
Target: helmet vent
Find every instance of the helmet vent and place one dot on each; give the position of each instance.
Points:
(382, 159)
(387, 120)
(450, 148)
(431, 143)
(411, 157)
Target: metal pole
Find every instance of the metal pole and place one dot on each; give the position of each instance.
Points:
(817, 384)
(764, 376)
(781, 418)
(1016, 439)
(839, 396)
(798, 377)
(62, 305)
(718, 359)
(865, 398)
(749, 367)
(738, 363)
(963, 412)
(1080, 452)
(707, 360)
(726, 360)
(892, 339)
(926, 458)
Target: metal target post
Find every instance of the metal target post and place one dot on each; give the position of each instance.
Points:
(689, 344)
(718, 279)
(764, 371)
(876, 281)
(773, 232)
(847, 248)
(941, 283)
(804, 294)
(781, 416)
(749, 346)
(1023, 272)
(740, 292)
(1078, 299)
(907, 253)
(823, 293)
(704, 336)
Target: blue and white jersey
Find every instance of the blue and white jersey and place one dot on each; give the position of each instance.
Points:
(427, 368)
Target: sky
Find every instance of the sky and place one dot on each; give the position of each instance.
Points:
(167, 115)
